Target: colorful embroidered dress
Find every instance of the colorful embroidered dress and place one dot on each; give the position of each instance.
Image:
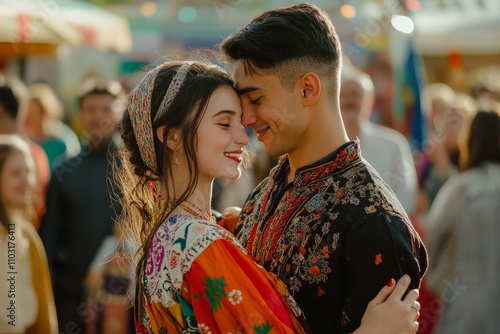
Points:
(199, 279)
(335, 235)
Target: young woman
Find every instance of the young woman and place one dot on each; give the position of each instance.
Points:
(26, 297)
(180, 131)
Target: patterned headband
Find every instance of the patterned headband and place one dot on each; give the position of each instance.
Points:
(139, 108)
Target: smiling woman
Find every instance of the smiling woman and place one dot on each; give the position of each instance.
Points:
(27, 301)
(181, 130)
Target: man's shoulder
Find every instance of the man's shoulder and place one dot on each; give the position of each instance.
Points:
(384, 135)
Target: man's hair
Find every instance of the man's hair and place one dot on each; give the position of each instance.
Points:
(288, 42)
(361, 78)
(8, 101)
(93, 87)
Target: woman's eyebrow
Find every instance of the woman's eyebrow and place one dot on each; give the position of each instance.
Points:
(222, 112)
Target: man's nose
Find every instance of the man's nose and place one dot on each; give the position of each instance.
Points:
(248, 118)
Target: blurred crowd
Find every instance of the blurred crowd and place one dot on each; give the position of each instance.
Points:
(73, 266)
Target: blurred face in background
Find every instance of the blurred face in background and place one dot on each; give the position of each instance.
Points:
(351, 101)
(16, 182)
(34, 116)
(99, 116)
(355, 102)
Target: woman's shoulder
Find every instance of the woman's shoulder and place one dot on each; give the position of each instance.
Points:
(189, 235)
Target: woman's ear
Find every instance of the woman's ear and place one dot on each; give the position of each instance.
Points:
(160, 132)
(173, 138)
(310, 88)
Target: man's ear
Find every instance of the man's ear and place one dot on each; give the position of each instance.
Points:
(310, 88)
(173, 137)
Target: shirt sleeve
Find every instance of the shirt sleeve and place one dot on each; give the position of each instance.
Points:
(440, 237)
(229, 292)
(378, 249)
(405, 184)
(47, 317)
(50, 227)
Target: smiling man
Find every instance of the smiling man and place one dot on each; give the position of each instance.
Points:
(323, 220)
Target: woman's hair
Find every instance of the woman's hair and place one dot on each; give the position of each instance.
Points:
(288, 42)
(44, 95)
(143, 212)
(482, 140)
(9, 145)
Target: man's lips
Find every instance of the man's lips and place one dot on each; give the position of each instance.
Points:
(261, 132)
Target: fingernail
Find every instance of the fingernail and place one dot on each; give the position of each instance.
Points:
(390, 283)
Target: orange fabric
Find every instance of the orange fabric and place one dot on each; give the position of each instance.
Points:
(229, 292)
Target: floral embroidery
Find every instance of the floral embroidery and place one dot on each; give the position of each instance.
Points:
(214, 291)
(335, 240)
(263, 328)
(235, 297)
(306, 234)
(317, 268)
(174, 259)
(325, 252)
(378, 259)
(298, 237)
(204, 329)
(345, 319)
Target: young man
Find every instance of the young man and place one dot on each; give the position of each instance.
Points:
(323, 221)
(385, 149)
(80, 209)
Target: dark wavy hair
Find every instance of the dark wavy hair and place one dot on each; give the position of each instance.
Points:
(143, 213)
(288, 42)
(483, 140)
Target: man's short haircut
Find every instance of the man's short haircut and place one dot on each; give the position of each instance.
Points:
(93, 87)
(288, 42)
(362, 79)
(8, 99)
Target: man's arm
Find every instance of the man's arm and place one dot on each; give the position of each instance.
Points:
(378, 249)
(52, 221)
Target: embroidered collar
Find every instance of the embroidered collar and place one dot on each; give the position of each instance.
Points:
(337, 160)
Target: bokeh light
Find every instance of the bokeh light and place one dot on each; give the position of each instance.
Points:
(148, 9)
(187, 14)
(347, 11)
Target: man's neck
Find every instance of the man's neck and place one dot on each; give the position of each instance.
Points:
(353, 130)
(324, 137)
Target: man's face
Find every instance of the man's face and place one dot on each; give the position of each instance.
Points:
(271, 110)
(99, 118)
(351, 101)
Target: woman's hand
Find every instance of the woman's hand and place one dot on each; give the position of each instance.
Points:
(388, 314)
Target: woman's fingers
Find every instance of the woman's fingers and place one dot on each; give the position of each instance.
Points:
(411, 297)
(385, 292)
(401, 288)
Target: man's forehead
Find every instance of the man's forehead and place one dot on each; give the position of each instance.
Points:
(249, 81)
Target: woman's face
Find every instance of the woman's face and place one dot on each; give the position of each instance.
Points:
(221, 136)
(15, 181)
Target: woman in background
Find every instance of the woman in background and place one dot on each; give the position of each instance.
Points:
(26, 297)
(463, 233)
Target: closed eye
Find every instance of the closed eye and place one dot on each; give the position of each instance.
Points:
(255, 101)
(226, 125)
